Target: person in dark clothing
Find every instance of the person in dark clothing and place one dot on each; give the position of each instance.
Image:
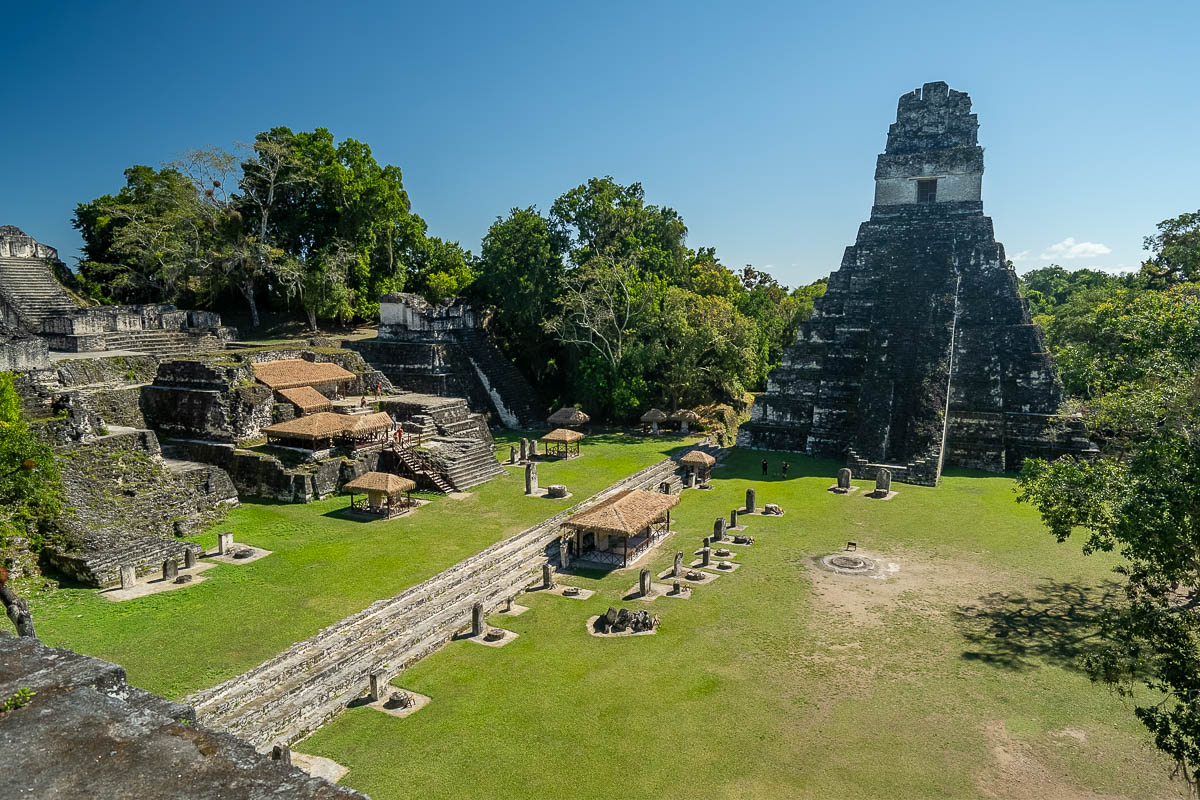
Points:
(764, 466)
(785, 469)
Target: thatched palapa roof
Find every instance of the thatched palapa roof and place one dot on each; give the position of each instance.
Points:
(385, 482)
(567, 416)
(685, 415)
(697, 458)
(562, 435)
(362, 424)
(292, 372)
(325, 425)
(654, 415)
(307, 399)
(626, 513)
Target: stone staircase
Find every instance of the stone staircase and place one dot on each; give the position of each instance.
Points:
(419, 465)
(312, 681)
(467, 462)
(161, 342)
(511, 394)
(28, 286)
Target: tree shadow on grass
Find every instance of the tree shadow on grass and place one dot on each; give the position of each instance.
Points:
(1057, 623)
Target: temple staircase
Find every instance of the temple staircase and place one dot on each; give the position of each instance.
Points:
(30, 288)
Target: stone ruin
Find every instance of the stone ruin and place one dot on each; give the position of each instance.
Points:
(87, 733)
(626, 621)
(31, 298)
(922, 352)
(443, 349)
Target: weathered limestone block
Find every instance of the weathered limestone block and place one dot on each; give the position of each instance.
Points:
(750, 500)
(128, 576)
(531, 479)
(644, 583)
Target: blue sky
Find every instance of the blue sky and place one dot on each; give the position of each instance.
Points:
(758, 122)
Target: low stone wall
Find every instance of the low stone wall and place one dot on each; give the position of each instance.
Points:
(259, 475)
(312, 681)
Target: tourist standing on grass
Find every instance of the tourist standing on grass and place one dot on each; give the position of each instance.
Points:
(785, 469)
(764, 466)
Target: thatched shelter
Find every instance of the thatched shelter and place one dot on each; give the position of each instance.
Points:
(306, 399)
(685, 417)
(290, 373)
(387, 494)
(700, 463)
(323, 430)
(559, 441)
(637, 518)
(568, 417)
(652, 418)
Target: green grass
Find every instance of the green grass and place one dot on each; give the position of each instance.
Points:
(955, 678)
(324, 567)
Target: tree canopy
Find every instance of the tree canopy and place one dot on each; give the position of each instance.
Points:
(1129, 352)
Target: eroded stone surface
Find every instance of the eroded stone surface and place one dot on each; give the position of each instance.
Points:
(96, 736)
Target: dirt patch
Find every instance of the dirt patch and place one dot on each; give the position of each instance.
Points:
(1017, 771)
(900, 579)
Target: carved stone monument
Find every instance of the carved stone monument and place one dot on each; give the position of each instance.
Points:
(531, 484)
(883, 481)
(644, 583)
(512, 454)
(189, 558)
(677, 570)
(564, 554)
(843, 479)
(733, 518)
(477, 623)
(547, 577)
(225, 543)
(705, 556)
(128, 576)
(379, 685)
(750, 501)
(170, 569)
(718, 529)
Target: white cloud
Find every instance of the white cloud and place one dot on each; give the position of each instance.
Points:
(1068, 248)
(1021, 256)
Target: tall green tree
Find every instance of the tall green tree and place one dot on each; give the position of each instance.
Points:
(1140, 378)
(603, 219)
(1175, 250)
(521, 271)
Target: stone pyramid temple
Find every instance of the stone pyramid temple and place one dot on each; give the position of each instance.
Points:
(922, 352)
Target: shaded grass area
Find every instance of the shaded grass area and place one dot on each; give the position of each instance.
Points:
(324, 566)
(952, 678)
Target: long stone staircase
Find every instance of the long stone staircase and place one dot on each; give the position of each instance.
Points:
(504, 382)
(312, 681)
(29, 287)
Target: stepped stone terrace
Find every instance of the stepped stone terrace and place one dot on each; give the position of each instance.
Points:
(32, 299)
(922, 351)
(442, 349)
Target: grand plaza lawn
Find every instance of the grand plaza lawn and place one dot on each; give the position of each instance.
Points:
(951, 677)
(325, 566)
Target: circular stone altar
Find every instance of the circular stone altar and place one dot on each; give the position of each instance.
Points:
(848, 564)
